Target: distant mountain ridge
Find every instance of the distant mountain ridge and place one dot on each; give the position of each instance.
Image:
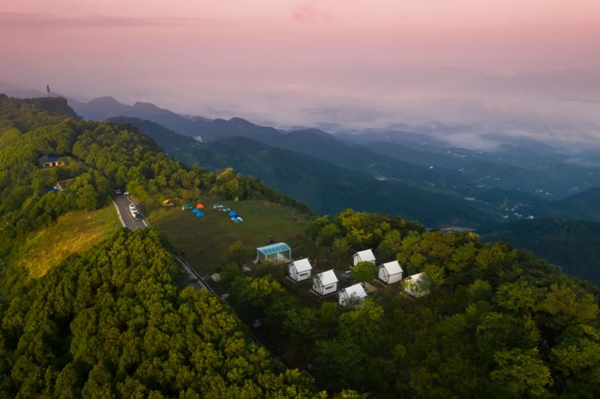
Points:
(325, 187)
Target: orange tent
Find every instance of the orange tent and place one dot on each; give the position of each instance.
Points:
(199, 206)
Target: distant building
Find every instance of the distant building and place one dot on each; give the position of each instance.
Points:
(352, 296)
(64, 184)
(325, 283)
(50, 161)
(363, 256)
(300, 270)
(390, 272)
(198, 138)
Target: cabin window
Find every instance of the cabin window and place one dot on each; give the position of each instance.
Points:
(303, 274)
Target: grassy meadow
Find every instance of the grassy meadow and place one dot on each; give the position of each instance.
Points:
(205, 240)
(72, 233)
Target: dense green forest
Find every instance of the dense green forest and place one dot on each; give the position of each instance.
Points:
(114, 322)
(101, 156)
(497, 322)
(117, 321)
(574, 245)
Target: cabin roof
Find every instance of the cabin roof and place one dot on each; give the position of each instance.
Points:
(355, 290)
(392, 267)
(366, 255)
(302, 265)
(327, 278)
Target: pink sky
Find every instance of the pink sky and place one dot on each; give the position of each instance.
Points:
(192, 55)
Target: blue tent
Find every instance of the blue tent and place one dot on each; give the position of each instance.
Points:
(232, 214)
(199, 214)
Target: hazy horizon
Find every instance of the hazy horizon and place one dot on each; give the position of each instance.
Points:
(505, 67)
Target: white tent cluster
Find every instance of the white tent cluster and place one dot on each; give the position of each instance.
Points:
(416, 285)
(326, 283)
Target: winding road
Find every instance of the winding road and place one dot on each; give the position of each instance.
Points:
(122, 203)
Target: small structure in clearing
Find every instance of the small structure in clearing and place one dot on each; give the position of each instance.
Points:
(325, 283)
(390, 272)
(363, 256)
(352, 296)
(300, 270)
(280, 252)
(64, 184)
(50, 161)
(417, 285)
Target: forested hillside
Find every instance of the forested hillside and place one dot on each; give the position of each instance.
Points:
(325, 187)
(496, 322)
(574, 245)
(116, 320)
(98, 157)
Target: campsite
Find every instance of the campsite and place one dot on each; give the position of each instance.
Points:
(209, 237)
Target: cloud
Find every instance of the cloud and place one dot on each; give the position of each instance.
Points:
(307, 12)
(38, 20)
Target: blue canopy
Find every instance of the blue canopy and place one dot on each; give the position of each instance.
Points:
(274, 248)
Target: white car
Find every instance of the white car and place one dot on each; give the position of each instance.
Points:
(126, 193)
(132, 207)
(118, 192)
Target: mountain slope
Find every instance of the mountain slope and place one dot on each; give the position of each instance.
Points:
(114, 321)
(572, 244)
(323, 186)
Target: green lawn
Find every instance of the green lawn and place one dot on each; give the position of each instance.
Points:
(205, 240)
(73, 232)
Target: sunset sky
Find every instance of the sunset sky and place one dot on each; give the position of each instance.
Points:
(246, 57)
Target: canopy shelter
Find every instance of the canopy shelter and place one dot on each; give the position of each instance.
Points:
(390, 272)
(280, 252)
(352, 296)
(363, 256)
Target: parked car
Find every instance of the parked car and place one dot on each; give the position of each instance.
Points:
(137, 216)
(132, 207)
(118, 192)
(126, 193)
